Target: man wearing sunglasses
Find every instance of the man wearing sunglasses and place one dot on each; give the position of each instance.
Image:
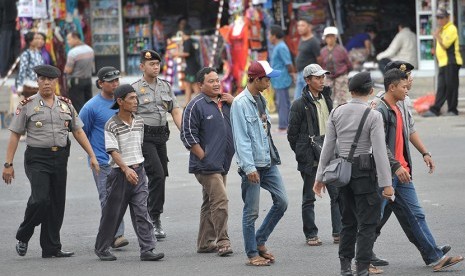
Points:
(94, 114)
(156, 100)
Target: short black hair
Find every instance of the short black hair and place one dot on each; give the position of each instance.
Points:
(204, 71)
(393, 76)
(29, 37)
(277, 31)
(363, 90)
(306, 19)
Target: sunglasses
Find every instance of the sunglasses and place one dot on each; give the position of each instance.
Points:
(111, 74)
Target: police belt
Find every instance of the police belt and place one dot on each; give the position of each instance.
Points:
(50, 149)
(154, 130)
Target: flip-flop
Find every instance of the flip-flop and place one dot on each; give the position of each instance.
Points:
(257, 261)
(450, 261)
(224, 251)
(267, 255)
(315, 241)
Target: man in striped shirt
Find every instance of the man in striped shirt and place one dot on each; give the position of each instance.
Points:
(127, 181)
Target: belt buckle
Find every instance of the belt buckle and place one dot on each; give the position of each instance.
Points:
(54, 148)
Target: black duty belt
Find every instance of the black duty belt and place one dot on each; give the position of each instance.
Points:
(155, 129)
(47, 149)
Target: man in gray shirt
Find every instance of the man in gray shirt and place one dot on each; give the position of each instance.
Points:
(308, 52)
(360, 202)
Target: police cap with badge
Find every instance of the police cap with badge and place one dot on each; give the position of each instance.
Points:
(107, 73)
(399, 64)
(360, 81)
(120, 92)
(47, 71)
(147, 55)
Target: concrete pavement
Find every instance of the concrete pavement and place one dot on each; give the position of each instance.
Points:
(441, 195)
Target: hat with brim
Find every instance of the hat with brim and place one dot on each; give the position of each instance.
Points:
(108, 73)
(441, 13)
(399, 64)
(314, 70)
(48, 71)
(360, 80)
(262, 68)
(120, 92)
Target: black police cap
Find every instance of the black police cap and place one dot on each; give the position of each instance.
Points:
(360, 80)
(48, 71)
(146, 55)
(108, 73)
(120, 92)
(399, 64)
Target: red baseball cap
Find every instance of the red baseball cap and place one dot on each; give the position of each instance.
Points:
(262, 68)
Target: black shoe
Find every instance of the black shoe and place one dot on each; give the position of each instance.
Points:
(346, 267)
(445, 248)
(21, 248)
(150, 256)
(378, 262)
(105, 255)
(58, 254)
(157, 229)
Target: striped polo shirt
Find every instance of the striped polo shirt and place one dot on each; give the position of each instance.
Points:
(81, 59)
(125, 139)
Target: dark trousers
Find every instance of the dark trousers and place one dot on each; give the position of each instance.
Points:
(308, 206)
(156, 166)
(80, 91)
(46, 171)
(448, 89)
(360, 216)
(9, 49)
(121, 193)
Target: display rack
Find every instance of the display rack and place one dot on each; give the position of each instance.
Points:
(425, 28)
(106, 33)
(138, 34)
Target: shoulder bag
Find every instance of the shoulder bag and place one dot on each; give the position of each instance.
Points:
(316, 142)
(339, 170)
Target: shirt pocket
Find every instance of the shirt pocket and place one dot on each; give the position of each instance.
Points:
(166, 102)
(37, 117)
(253, 125)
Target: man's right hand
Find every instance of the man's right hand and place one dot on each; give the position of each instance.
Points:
(131, 176)
(8, 174)
(403, 175)
(254, 177)
(388, 192)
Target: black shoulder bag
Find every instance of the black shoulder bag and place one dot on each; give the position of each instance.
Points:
(339, 170)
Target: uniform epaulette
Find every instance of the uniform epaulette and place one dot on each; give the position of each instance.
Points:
(66, 100)
(136, 81)
(25, 101)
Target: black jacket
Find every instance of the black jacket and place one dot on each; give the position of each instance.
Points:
(297, 133)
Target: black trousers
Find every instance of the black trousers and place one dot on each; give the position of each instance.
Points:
(448, 89)
(80, 91)
(156, 167)
(46, 171)
(360, 216)
(121, 193)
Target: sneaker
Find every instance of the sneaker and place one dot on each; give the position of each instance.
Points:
(120, 241)
(21, 248)
(105, 255)
(151, 256)
(158, 230)
(428, 114)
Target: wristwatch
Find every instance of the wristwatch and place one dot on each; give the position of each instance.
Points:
(426, 153)
(7, 165)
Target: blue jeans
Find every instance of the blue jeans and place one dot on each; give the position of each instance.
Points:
(101, 183)
(270, 180)
(406, 197)
(284, 105)
(299, 85)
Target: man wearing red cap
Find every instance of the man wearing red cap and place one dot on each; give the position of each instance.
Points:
(257, 158)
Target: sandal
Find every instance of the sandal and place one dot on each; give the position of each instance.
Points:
(267, 255)
(374, 270)
(258, 261)
(210, 249)
(448, 261)
(224, 251)
(315, 241)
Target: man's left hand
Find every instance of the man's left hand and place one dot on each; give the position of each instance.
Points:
(318, 188)
(94, 164)
(228, 98)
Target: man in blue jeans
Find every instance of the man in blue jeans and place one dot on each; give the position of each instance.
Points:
(257, 158)
(281, 60)
(399, 131)
(94, 114)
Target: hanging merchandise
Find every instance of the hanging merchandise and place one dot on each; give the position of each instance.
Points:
(315, 10)
(25, 8)
(238, 39)
(257, 32)
(217, 32)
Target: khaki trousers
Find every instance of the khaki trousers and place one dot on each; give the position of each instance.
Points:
(214, 212)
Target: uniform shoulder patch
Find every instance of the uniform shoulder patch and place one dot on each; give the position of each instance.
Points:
(66, 100)
(136, 81)
(25, 101)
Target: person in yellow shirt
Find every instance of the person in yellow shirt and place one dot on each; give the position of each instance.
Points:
(450, 61)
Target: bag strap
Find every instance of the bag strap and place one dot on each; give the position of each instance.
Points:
(357, 136)
(311, 131)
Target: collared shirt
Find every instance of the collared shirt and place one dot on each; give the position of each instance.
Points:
(280, 59)
(28, 60)
(81, 59)
(450, 39)
(342, 125)
(125, 139)
(45, 126)
(322, 112)
(155, 101)
(251, 141)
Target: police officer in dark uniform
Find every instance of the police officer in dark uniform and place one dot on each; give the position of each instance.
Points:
(359, 199)
(156, 99)
(46, 119)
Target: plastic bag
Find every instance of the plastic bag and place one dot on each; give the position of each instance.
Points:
(423, 103)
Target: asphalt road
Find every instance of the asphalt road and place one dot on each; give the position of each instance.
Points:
(441, 195)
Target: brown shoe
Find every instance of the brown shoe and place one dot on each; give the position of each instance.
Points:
(120, 241)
